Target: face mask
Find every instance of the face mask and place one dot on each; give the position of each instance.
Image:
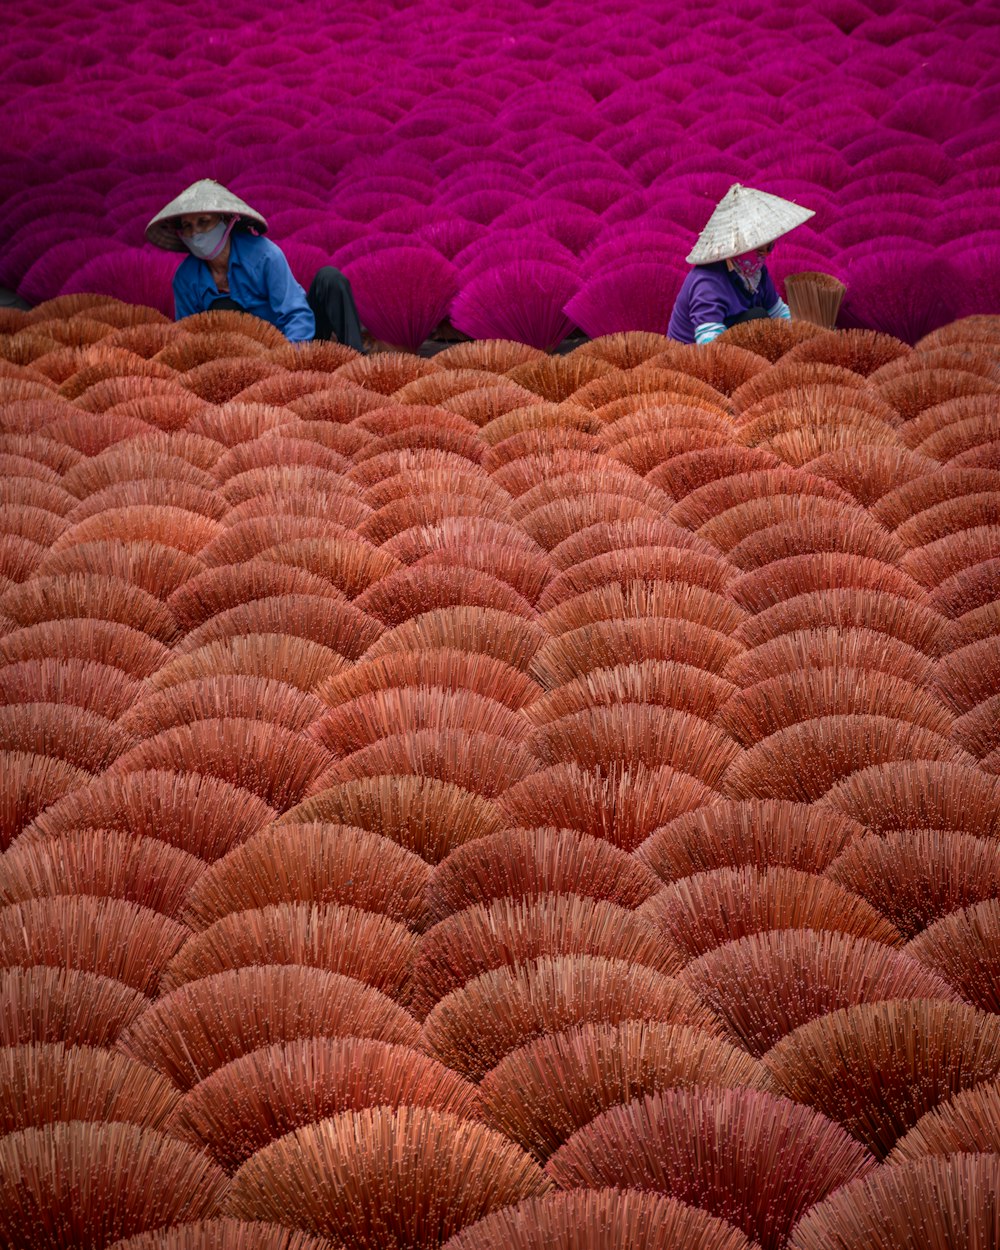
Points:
(208, 245)
(749, 266)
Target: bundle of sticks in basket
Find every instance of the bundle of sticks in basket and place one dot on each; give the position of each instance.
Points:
(814, 297)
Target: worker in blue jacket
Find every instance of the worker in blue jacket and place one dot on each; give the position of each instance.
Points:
(230, 264)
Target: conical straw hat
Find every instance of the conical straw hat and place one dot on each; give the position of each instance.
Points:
(205, 196)
(745, 219)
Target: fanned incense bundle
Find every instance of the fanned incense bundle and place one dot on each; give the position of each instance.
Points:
(65, 1005)
(951, 1200)
(225, 1234)
(100, 1182)
(876, 1068)
(31, 784)
(531, 863)
(475, 1027)
(108, 936)
(512, 932)
(768, 984)
(383, 1176)
(151, 566)
(312, 863)
(54, 1083)
(589, 1219)
(272, 1091)
(967, 1123)
(861, 351)
(762, 833)
(729, 1151)
(104, 862)
(963, 947)
(83, 739)
(916, 877)
(700, 913)
(362, 945)
(204, 1025)
(543, 1092)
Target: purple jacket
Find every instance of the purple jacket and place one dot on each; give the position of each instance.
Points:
(712, 293)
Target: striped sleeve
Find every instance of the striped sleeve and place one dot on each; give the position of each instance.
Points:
(780, 309)
(708, 330)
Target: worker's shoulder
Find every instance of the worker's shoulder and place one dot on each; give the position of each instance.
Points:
(707, 282)
(709, 275)
(255, 247)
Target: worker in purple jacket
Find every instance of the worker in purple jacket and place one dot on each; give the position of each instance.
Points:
(729, 282)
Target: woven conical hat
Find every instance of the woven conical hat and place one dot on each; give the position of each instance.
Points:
(206, 196)
(745, 219)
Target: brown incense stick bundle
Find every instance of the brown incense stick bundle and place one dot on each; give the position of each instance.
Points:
(814, 297)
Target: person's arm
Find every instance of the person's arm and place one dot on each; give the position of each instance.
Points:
(292, 314)
(774, 305)
(708, 309)
(186, 302)
(708, 331)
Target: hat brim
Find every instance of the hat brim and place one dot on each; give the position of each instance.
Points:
(745, 219)
(201, 197)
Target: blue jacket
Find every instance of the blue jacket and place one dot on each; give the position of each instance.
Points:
(259, 281)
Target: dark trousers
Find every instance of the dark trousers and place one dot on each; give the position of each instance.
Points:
(332, 302)
(751, 314)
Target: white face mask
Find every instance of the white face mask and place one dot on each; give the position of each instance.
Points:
(208, 245)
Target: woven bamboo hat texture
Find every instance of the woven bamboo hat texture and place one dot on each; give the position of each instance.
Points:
(204, 196)
(744, 219)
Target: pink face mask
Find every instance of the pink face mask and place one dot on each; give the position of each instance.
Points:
(748, 266)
